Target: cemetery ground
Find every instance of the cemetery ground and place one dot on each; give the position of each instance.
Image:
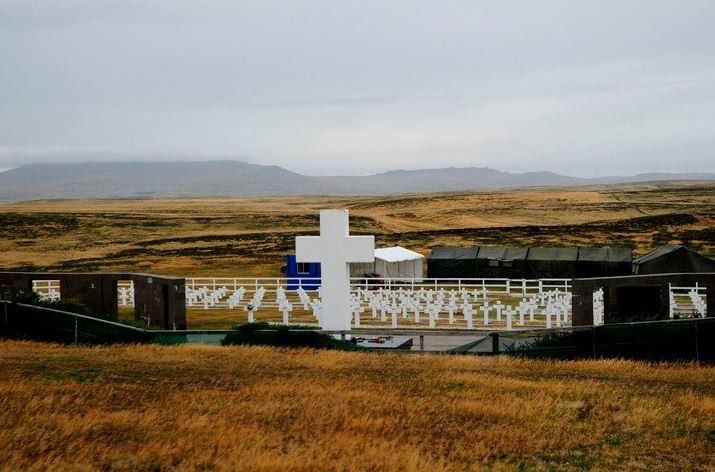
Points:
(194, 407)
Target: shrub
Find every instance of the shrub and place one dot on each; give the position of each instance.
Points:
(70, 306)
(264, 334)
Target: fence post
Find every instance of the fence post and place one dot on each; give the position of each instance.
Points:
(670, 300)
(495, 343)
(593, 341)
(697, 342)
(75, 329)
(422, 342)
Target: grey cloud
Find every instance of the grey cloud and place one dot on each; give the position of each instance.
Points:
(354, 87)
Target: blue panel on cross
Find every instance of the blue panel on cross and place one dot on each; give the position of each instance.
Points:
(302, 274)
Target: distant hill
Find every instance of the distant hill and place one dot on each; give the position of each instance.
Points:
(148, 179)
(205, 178)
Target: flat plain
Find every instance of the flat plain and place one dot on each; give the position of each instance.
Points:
(251, 236)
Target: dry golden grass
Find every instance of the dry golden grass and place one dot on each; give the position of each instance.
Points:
(200, 407)
(251, 236)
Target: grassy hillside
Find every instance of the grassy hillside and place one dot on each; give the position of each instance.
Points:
(250, 236)
(199, 407)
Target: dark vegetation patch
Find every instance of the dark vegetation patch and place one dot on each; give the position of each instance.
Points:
(405, 202)
(645, 223)
(38, 225)
(695, 191)
(257, 220)
(208, 238)
(33, 225)
(70, 306)
(699, 240)
(124, 221)
(499, 207)
(264, 334)
(639, 224)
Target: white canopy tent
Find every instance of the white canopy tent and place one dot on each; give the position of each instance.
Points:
(391, 263)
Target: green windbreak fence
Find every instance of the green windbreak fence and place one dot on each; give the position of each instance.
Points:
(670, 340)
(189, 337)
(45, 324)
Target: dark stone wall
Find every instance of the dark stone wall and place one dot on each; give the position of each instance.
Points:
(618, 293)
(160, 299)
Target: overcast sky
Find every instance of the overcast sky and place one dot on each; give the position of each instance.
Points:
(582, 87)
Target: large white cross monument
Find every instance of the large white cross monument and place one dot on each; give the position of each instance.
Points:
(334, 249)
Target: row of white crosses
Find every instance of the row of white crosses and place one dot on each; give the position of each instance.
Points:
(284, 306)
(695, 299)
(304, 298)
(125, 295)
(417, 305)
(254, 304)
(598, 307)
(47, 290)
(698, 302)
(422, 306)
(50, 295)
(224, 297)
(205, 297)
(235, 299)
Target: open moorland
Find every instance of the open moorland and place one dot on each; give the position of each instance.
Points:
(212, 408)
(200, 407)
(251, 236)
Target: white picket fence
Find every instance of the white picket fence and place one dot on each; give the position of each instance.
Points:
(598, 308)
(218, 288)
(688, 301)
(470, 303)
(47, 289)
(125, 293)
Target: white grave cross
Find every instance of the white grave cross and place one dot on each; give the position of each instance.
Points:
(334, 249)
